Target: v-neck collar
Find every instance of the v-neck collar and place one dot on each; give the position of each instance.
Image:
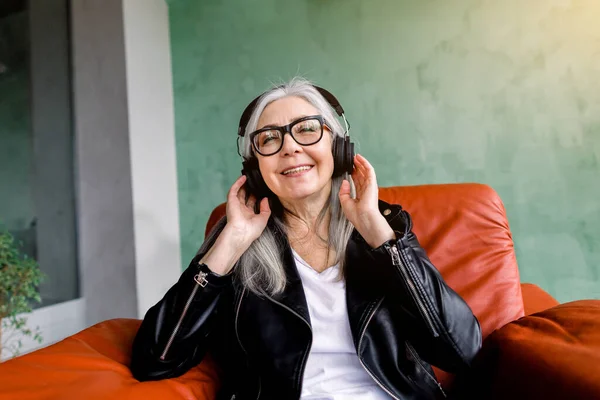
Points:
(323, 274)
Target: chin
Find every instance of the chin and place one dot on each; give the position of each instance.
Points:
(302, 194)
(304, 191)
(298, 193)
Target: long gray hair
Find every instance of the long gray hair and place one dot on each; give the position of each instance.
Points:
(261, 269)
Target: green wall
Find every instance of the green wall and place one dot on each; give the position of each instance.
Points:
(505, 93)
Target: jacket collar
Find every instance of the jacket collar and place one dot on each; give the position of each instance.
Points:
(293, 296)
(362, 288)
(362, 292)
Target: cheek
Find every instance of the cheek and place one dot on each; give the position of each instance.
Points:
(268, 170)
(326, 157)
(265, 169)
(328, 161)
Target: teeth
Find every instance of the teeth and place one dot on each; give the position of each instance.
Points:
(299, 169)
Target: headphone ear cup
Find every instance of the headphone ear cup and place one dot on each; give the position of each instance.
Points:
(349, 155)
(255, 184)
(338, 157)
(343, 156)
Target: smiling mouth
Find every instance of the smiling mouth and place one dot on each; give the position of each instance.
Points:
(297, 170)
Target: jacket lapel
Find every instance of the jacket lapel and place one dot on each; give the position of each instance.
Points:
(362, 288)
(293, 296)
(362, 292)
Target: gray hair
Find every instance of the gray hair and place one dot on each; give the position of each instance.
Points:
(261, 269)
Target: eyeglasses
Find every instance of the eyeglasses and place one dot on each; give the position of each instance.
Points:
(305, 131)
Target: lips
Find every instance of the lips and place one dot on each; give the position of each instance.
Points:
(296, 169)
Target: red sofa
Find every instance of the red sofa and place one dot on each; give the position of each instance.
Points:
(533, 347)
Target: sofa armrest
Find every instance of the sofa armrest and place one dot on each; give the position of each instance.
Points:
(535, 299)
(553, 354)
(94, 364)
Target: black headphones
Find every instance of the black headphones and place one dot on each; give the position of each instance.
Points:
(343, 150)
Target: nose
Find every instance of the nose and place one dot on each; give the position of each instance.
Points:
(290, 146)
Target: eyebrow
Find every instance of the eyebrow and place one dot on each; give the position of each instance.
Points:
(289, 122)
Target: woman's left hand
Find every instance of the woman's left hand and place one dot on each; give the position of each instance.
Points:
(363, 211)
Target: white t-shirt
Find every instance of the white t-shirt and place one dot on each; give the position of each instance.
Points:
(333, 371)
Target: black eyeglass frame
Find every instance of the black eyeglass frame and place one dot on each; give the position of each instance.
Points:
(288, 129)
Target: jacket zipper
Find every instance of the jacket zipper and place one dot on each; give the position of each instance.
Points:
(201, 281)
(362, 334)
(307, 351)
(397, 261)
(418, 360)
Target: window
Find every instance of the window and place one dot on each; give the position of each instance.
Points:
(37, 196)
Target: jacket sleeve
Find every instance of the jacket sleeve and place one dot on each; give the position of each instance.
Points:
(174, 335)
(440, 324)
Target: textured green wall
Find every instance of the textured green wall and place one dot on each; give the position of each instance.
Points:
(501, 92)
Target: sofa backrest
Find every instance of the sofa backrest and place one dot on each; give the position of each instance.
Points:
(463, 228)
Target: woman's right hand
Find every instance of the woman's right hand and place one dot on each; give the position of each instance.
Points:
(242, 228)
(242, 223)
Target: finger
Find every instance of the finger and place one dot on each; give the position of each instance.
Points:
(360, 178)
(362, 163)
(345, 188)
(264, 206)
(361, 173)
(241, 195)
(345, 193)
(361, 159)
(251, 202)
(357, 173)
(357, 179)
(358, 184)
(366, 173)
(233, 191)
(361, 167)
(265, 211)
(367, 167)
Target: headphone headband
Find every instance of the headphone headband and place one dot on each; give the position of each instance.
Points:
(245, 118)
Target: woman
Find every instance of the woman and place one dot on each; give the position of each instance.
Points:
(318, 290)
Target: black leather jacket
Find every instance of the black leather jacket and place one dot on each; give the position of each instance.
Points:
(403, 317)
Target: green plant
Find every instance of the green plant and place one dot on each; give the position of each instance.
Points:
(20, 277)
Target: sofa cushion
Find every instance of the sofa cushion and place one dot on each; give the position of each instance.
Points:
(553, 354)
(93, 364)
